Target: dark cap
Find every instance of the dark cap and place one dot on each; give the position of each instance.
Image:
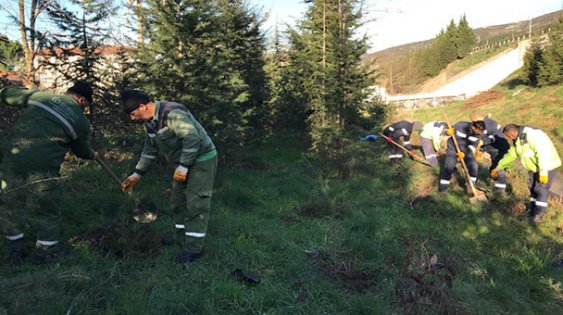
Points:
(132, 99)
(83, 89)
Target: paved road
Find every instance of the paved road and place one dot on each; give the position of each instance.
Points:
(485, 77)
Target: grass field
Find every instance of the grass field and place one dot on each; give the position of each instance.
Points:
(382, 242)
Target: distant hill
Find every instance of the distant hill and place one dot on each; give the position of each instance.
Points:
(392, 63)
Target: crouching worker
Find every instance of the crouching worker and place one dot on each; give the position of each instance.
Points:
(468, 136)
(495, 144)
(394, 133)
(539, 156)
(33, 151)
(431, 136)
(172, 131)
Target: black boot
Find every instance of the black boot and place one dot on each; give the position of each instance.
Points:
(17, 251)
(51, 254)
(187, 257)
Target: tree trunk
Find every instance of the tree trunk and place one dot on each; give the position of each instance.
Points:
(27, 51)
(138, 4)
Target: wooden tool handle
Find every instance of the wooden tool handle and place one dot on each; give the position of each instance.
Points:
(407, 151)
(108, 170)
(465, 169)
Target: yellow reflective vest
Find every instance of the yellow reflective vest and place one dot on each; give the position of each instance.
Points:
(434, 131)
(536, 151)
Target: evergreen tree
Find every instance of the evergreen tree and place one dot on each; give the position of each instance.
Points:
(245, 49)
(326, 55)
(207, 55)
(466, 38)
(550, 67)
(453, 43)
(286, 99)
(80, 35)
(532, 60)
(450, 43)
(77, 44)
(10, 54)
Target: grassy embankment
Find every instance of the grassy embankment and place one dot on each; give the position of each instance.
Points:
(320, 246)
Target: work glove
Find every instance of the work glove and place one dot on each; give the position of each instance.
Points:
(130, 182)
(181, 173)
(460, 155)
(451, 131)
(543, 179)
(479, 155)
(495, 173)
(389, 139)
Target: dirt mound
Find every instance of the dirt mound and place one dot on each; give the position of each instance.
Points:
(342, 271)
(120, 241)
(484, 98)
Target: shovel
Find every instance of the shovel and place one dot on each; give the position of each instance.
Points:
(144, 210)
(477, 197)
(416, 157)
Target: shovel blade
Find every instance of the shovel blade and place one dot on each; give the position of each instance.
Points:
(145, 217)
(478, 199)
(145, 210)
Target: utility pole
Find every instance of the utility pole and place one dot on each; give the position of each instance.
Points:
(530, 29)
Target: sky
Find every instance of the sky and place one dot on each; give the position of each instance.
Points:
(395, 22)
(390, 23)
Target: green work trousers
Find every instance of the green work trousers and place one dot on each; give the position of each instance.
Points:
(30, 199)
(191, 204)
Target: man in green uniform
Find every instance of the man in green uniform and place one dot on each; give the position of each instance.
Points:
(33, 150)
(539, 156)
(173, 131)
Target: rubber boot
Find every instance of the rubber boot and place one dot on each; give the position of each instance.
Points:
(17, 251)
(50, 254)
(187, 257)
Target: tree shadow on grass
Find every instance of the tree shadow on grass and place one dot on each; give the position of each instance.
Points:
(513, 83)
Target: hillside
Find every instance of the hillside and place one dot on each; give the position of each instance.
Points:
(394, 64)
(286, 236)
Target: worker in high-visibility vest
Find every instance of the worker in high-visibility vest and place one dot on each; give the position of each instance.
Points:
(538, 155)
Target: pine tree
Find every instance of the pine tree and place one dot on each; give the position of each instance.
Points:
(208, 56)
(466, 39)
(245, 49)
(77, 44)
(285, 103)
(532, 60)
(550, 67)
(79, 34)
(10, 55)
(450, 42)
(453, 43)
(326, 55)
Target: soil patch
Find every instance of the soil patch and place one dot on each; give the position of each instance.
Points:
(484, 98)
(315, 210)
(345, 273)
(120, 241)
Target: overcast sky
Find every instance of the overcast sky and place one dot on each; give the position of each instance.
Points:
(389, 22)
(395, 22)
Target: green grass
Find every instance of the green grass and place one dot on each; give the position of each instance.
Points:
(319, 245)
(478, 57)
(522, 105)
